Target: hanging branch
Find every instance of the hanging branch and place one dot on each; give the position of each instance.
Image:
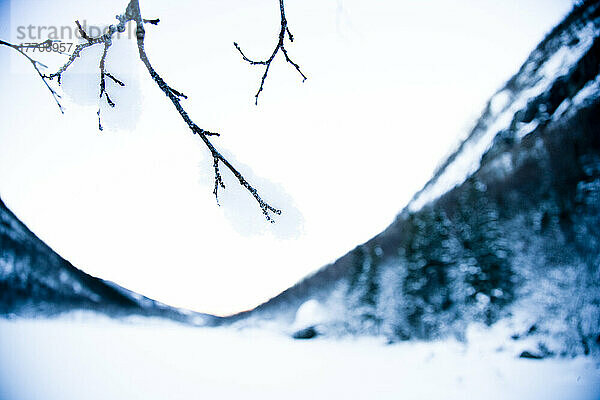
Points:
(133, 13)
(280, 46)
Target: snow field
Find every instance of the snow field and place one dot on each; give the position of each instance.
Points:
(97, 358)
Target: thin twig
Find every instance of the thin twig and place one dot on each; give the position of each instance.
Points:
(35, 65)
(280, 46)
(103, 75)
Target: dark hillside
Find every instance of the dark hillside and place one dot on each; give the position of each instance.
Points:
(35, 281)
(508, 226)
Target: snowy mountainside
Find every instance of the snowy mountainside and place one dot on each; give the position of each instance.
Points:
(35, 281)
(553, 59)
(507, 229)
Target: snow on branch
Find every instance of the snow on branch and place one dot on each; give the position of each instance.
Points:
(133, 13)
(280, 46)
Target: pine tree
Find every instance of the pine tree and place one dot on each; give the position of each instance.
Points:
(427, 287)
(364, 286)
(488, 275)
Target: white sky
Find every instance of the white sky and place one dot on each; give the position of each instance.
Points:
(392, 86)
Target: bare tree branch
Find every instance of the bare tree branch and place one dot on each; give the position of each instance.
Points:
(280, 46)
(133, 13)
(103, 75)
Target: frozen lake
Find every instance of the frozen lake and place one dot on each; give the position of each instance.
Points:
(96, 358)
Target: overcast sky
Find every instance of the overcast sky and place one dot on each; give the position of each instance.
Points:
(393, 85)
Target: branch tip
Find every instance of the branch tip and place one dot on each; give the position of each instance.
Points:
(280, 46)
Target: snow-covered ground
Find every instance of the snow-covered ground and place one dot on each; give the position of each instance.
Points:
(96, 358)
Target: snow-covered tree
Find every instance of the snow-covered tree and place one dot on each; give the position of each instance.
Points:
(487, 267)
(364, 287)
(430, 255)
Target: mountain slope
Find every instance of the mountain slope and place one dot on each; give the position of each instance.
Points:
(507, 228)
(35, 281)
